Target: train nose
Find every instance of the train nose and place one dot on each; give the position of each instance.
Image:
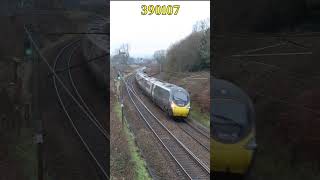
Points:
(180, 111)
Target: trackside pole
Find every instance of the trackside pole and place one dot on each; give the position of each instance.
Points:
(36, 115)
(121, 99)
(120, 96)
(122, 115)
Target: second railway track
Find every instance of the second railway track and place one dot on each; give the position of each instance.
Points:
(90, 131)
(191, 166)
(199, 134)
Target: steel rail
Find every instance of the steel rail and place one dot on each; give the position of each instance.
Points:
(184, 148)
(60, 81)
(203, 132)
(185, 128)
(93, 117)
(103, 131)
(69, 117)
(144, 118)
(197, 139)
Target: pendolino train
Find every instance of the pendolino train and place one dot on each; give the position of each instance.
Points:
(232, 124)
(172, 99)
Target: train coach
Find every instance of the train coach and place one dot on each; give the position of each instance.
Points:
(172, 99)
(232, 124)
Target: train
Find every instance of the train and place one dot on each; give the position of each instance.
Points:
(232, 124)
(172, 99)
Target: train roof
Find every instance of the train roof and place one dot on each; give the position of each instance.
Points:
(166, 85)
(159, 82)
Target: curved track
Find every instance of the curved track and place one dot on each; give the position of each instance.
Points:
(90, 131)
(191, 166)
(202, 130)
(196, 134)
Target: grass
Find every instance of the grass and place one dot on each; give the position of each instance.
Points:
(140, 168)
(24, 151)
(201, 117)
(275, 164)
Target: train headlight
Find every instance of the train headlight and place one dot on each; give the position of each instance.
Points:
(251, 145)
(173, 105)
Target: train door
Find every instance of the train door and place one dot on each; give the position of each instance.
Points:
(165, 99)
(148, 88)
(156, 95)
(152, 90)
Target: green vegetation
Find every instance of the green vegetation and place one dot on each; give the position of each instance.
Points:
(140, 168)
(201, 117)
(275, 164)
(190, 54)
(24, 152)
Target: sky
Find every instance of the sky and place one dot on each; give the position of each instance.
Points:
(148, 33)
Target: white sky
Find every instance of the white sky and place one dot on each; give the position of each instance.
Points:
(148, 33)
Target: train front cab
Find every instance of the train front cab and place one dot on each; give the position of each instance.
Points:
(232, 129)
(180, 103)
(175, 101)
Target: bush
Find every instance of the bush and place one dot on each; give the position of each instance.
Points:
(190, 54)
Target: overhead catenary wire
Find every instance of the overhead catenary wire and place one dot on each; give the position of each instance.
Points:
(62, 84)
(265, 35)
(76, 129)
(279, 69)
(78, 94)
(231, 58)
(76, 33)
(81, 64)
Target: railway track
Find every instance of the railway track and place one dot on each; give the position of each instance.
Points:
(92, 134)
(191, 166)
(202, 130)
(202, 138)
(199, 135)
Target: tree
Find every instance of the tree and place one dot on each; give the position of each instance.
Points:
(201, 25)
(204, 49)
(160, 57)
(122, 54)
(191, 53)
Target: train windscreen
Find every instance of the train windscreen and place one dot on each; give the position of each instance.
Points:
(180, 98)
(230, 119)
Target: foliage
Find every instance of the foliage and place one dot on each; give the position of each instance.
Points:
(160, 57)
(191, 53)
(138, 163)
(197, 115)
(121, 55)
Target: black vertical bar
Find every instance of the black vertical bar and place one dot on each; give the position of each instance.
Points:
(36, 110)
(122, 118)
(40, 162)
(40, 128)
(15, 74)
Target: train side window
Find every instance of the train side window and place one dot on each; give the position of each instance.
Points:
(161, 94)
(156, 92)
(147, 86)
(166, 95)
